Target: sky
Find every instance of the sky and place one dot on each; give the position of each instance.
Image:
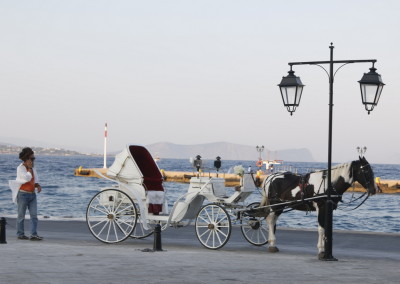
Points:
(194, 72)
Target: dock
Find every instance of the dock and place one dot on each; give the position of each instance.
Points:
(231, 180)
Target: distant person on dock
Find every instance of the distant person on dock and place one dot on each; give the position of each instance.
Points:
(271, 169)
(249, 170)
(378, 184)
(23, 192)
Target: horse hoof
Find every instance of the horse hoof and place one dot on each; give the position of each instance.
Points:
(273, 249)
(321, 255)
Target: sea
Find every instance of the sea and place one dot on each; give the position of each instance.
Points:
(65, 196)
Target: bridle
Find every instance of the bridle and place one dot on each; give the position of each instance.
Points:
(364, 169)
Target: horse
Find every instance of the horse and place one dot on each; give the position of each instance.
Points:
(290, 191)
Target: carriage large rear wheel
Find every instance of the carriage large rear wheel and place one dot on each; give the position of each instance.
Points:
(213, 226)
(254, 229)
(111, 216)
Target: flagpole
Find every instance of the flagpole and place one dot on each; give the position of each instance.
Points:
(105, 146)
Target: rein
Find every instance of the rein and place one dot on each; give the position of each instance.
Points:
(347, 204)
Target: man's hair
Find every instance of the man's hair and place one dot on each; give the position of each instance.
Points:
(25, 154)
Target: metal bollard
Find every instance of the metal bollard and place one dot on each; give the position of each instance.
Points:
(157, 238)
(3, 230)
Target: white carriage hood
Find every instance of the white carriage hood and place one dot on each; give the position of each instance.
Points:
(125, 168)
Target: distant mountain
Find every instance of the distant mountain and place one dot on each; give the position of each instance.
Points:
(226, 151)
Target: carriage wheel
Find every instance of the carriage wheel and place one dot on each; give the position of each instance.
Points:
(111, 216)
(213, 226)
(255, 229)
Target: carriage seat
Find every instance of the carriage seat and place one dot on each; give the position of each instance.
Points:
(247, 183)
(247, 186)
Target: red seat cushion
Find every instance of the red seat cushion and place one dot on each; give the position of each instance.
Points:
(152, 178)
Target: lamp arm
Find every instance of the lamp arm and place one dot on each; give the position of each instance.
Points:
(324, 69)
(340, 67)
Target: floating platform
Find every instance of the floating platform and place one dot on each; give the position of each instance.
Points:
(231, 180)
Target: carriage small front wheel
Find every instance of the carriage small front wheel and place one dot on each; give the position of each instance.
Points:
(213, 226)
(254, 229)
(111, 216)
(140, 232)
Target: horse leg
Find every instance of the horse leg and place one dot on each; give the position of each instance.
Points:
(263, 201)
(271, 220)
(321, 232)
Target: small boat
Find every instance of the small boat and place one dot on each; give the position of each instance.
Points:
(270, 164)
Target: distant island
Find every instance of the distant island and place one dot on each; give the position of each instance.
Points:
(227, 151)
(12, 149)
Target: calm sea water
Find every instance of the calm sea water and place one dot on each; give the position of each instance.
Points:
(65, 196)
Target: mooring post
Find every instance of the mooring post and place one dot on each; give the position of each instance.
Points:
(157, 238)
(3, 230)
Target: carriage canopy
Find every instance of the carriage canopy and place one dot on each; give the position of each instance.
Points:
(136, 165)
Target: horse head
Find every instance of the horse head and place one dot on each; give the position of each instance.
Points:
(362, 173)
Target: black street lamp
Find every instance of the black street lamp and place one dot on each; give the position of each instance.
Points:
(217, 164)
(291, 89)
(371, 86)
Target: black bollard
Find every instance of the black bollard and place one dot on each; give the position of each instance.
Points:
(3, 230)
(157, 238)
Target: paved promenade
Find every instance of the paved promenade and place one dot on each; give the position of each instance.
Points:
(70, 254)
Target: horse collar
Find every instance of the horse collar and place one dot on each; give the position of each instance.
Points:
(303, 183)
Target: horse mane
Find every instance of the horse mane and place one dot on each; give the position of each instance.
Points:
(340, 170)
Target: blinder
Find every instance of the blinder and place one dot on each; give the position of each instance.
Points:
(366, 176)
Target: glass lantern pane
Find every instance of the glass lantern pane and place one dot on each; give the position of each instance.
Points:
(378, 96)
(289, 95)
(368, 93)
(298, 94)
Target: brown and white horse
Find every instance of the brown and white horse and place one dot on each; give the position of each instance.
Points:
(287, 190)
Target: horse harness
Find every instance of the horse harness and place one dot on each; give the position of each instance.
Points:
(302, 184)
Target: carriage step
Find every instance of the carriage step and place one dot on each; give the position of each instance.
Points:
(158, 217)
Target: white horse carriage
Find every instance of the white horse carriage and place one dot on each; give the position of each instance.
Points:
(138, 202)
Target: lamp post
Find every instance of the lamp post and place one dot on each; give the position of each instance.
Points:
(361, 151)
(259, 150)
(291, 89)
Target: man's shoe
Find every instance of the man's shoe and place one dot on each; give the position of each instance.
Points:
(23, 237)
(36, 238)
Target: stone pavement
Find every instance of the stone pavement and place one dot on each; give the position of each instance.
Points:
(70, 254)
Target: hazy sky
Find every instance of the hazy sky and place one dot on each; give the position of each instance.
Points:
(191, 72)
